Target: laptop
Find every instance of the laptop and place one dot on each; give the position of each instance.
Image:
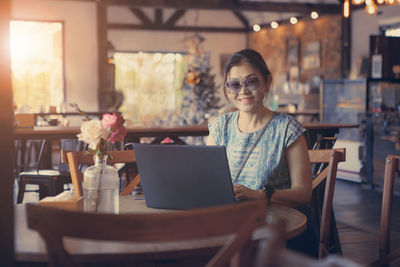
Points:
(182, 177)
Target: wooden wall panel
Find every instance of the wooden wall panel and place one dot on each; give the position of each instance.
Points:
(272, 44)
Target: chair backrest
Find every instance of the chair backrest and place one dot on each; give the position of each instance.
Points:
(385, 254)
(77, 158)
(240, 219)
(330, 158)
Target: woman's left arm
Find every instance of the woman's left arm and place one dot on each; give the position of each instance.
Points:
(300, 176)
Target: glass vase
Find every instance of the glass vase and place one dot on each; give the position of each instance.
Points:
(101, 187)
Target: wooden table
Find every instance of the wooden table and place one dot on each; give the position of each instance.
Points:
(314, 131)
(29, 247)
(314, 114)
(134, 134)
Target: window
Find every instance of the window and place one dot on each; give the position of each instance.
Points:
(151, 84)
(37, 64)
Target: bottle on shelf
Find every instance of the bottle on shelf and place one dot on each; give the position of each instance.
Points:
(376, 61)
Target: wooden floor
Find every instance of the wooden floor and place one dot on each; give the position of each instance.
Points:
(357, 210)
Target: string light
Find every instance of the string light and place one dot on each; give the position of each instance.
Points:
(314, 15)
(293, 20)
(274, 25)
(256, 28)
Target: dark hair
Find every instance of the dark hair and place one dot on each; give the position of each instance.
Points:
(250, 56)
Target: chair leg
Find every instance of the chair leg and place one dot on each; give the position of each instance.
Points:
(21, 191)
(54, 188)
(43, 191)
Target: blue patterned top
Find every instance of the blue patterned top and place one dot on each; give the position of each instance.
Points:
(267, 163)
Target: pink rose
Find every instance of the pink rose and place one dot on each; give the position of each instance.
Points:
(117, 135)
(114, 122)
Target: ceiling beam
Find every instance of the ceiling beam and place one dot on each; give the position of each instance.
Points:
(233, 6)
(158, 15)
(175, 16)
(141, 16)
(242, 18)
(165, 27)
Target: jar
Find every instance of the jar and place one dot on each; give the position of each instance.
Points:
(101, 187)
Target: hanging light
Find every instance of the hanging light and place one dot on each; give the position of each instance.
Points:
(293, 20)
(371, 6)
(371, 9)
(346, 8)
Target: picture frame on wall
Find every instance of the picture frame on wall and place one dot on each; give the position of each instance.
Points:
(312, 55)
(293, 51)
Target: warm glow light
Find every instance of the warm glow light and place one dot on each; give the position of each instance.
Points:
(371, 5)
(36, 63)
(256, 28)
(314, 15)
(346, 8)
(293, 20)
(31, 42)
(274, 25)
(371, 9)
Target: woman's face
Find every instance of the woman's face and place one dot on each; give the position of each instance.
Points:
(246, 88)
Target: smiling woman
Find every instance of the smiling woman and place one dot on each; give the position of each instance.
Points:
(36, 64)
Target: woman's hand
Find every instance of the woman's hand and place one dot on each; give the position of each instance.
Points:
(243, 192)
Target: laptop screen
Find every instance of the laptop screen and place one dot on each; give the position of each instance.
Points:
(184, 176)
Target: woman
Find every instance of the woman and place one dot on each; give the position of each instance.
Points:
(278, 168)
(267, 151)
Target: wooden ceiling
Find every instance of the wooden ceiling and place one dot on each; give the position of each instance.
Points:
(244, 11)
(235, 5)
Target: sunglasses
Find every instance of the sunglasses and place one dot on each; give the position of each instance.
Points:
(234, 86)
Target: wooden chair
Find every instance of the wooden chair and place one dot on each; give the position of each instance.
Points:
(326, 178)
(271, 252)
(51, 181)
(238, 219)
(385, 254)
(75, 158)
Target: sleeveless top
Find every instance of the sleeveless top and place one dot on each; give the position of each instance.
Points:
(267, 163)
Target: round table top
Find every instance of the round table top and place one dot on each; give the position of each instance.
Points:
(30, 247)
(295, 220)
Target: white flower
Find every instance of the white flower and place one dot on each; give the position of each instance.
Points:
(92, 131)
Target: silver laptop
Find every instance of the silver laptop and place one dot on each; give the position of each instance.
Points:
(184, 176)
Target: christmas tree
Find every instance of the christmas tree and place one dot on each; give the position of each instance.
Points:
(200, 100)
